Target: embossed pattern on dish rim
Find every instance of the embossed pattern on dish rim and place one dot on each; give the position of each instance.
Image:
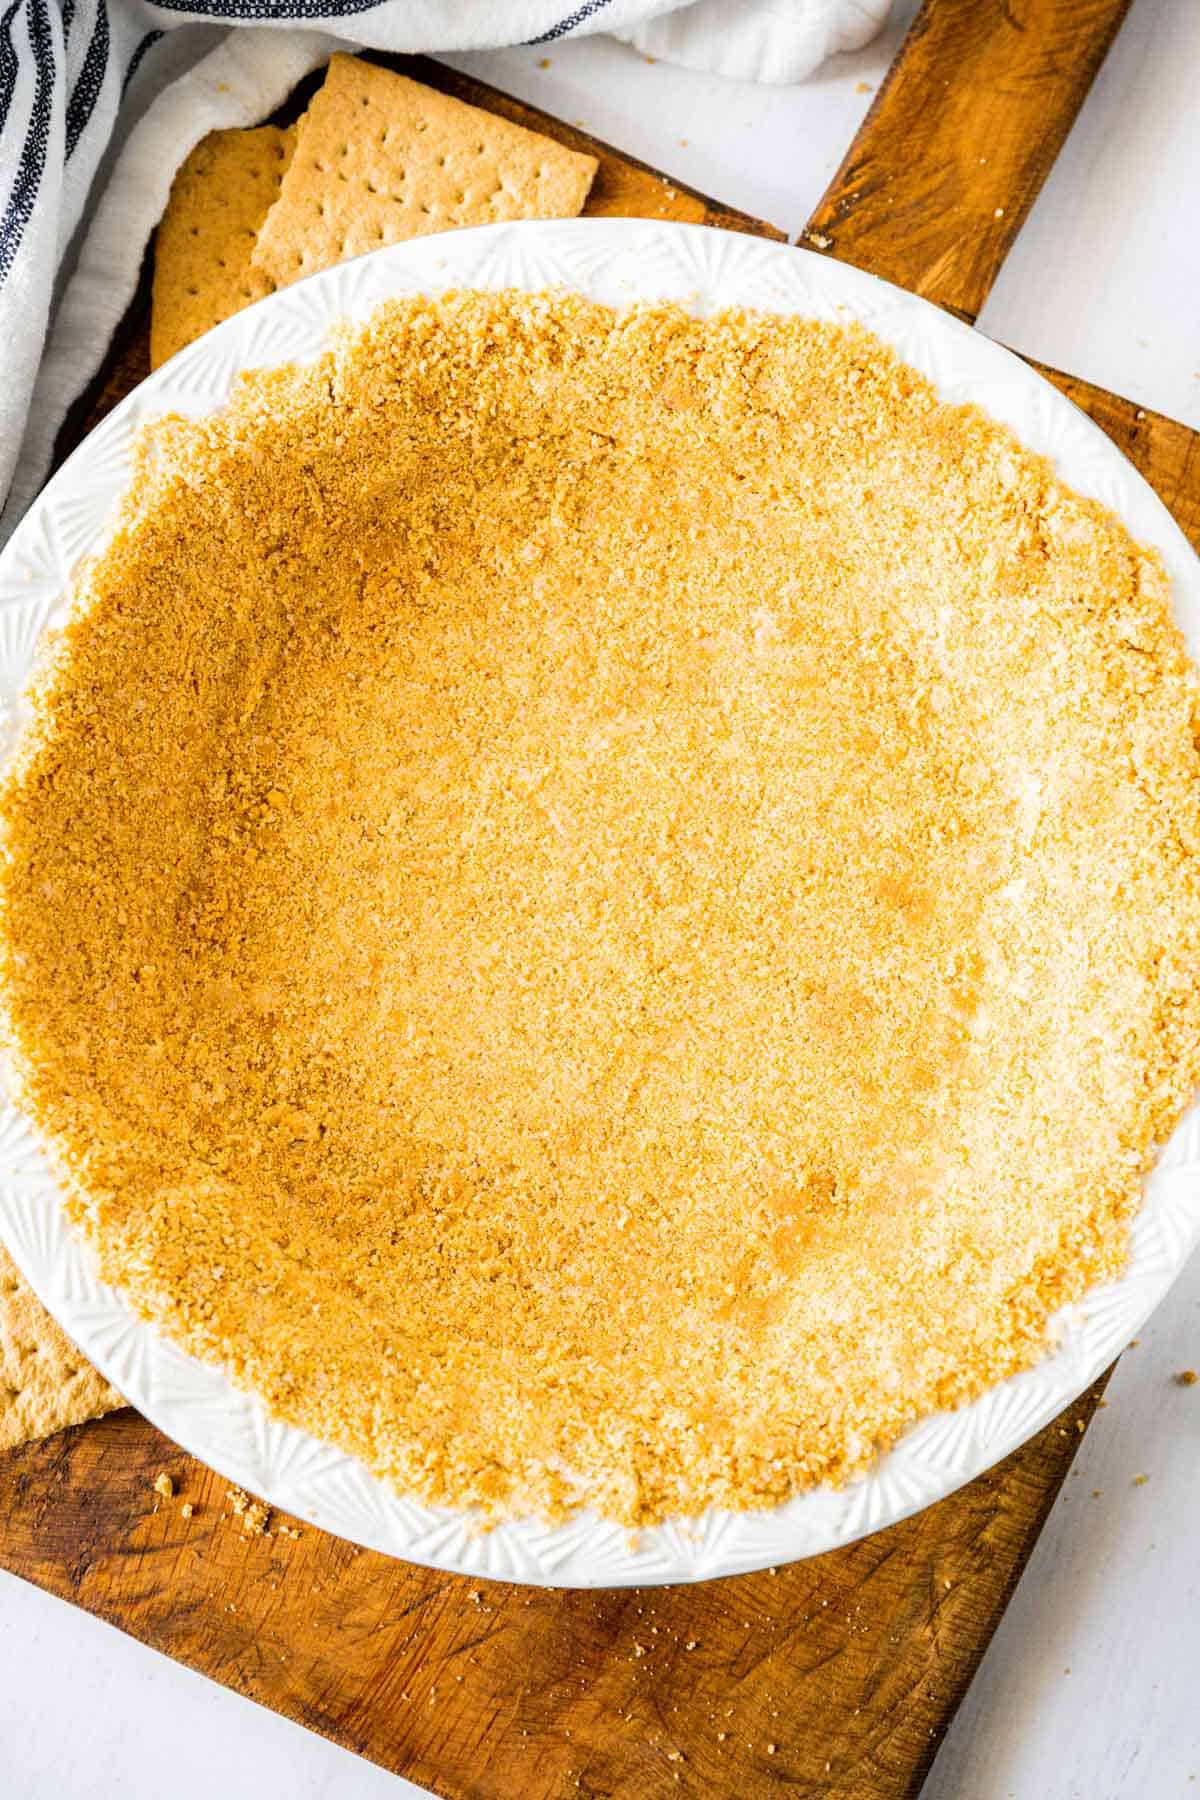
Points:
(618, 261)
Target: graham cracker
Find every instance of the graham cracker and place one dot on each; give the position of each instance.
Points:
(45, 1382)
(380, 158)
(202, 267)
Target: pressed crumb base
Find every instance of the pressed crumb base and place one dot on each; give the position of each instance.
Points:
(605, 909)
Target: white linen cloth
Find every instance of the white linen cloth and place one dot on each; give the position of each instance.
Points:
(100, 101)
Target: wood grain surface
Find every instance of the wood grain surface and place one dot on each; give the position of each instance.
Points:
(835, 1677)
(959, 139)
(831, 1677)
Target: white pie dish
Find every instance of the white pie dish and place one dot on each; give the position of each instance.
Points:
(616, 261)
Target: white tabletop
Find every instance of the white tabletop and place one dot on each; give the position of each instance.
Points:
(1089, 1688)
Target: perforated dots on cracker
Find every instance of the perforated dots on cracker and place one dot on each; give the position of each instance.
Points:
(202, 267)
(45, 1383)
(380, 158)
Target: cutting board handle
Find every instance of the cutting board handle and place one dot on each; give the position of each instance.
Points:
(963, 132)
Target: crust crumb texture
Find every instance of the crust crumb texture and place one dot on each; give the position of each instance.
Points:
(605, 909)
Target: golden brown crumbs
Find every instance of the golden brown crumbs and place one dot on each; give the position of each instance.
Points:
(164, 1485)
(254, 1514)
(605, 908)
(1186, 1378)
(1140, 1480)
(187, 1510)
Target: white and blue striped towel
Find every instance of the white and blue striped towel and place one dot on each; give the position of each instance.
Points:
(100, 100)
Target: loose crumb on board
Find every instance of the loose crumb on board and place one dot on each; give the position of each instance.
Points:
(164, 1485)
(255, 1515)
(1186, 1378)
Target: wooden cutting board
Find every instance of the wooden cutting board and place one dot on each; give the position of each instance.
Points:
(836, 1676)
